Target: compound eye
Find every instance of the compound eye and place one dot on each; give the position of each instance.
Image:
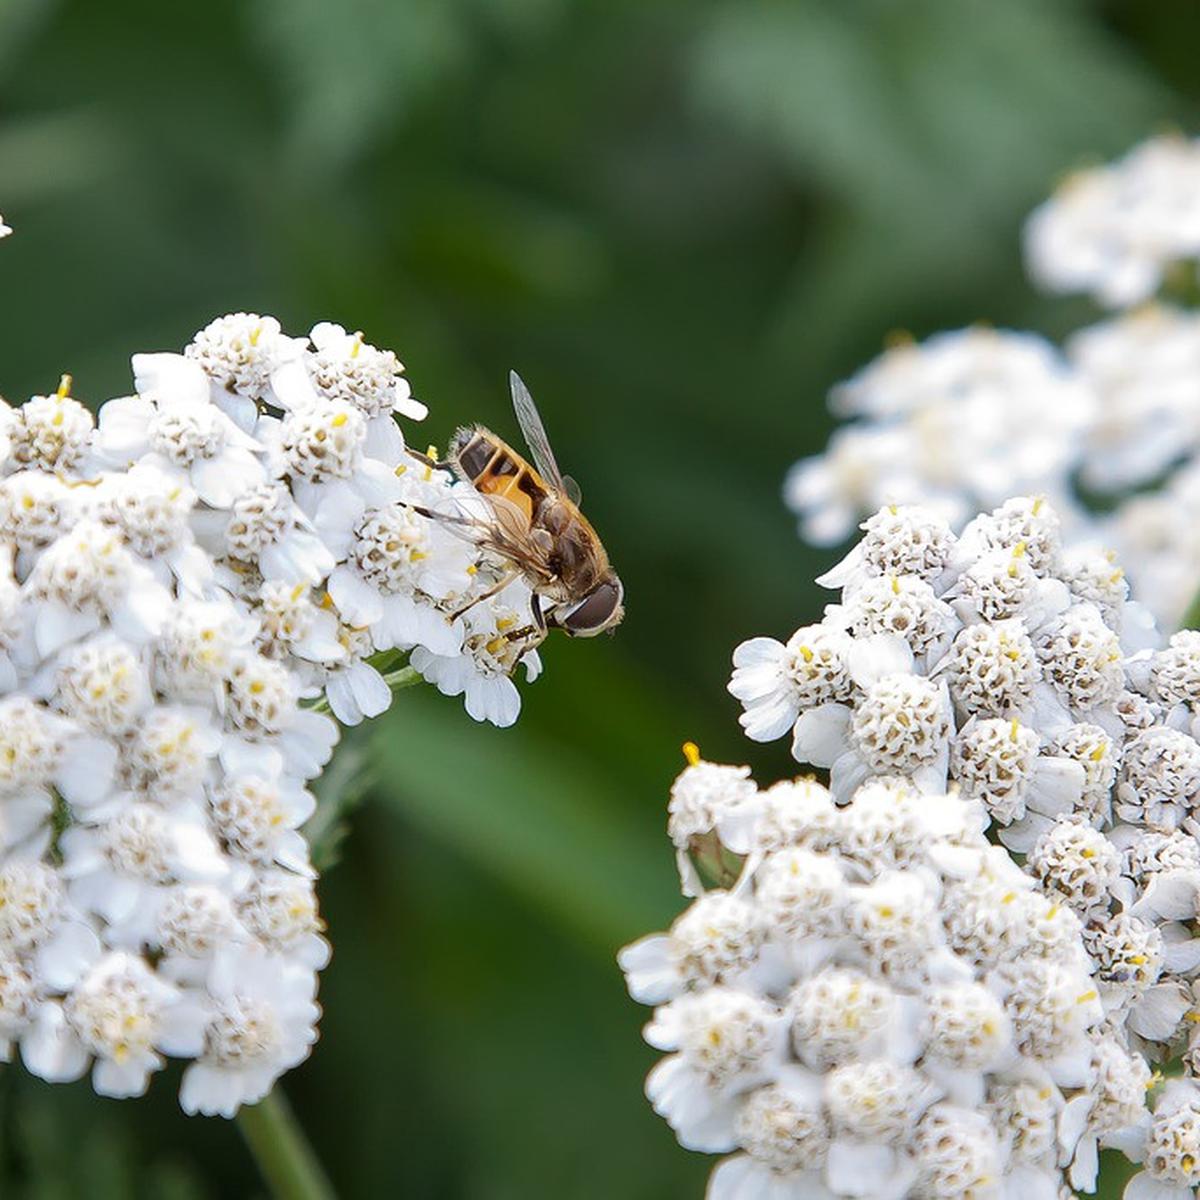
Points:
(593, 614)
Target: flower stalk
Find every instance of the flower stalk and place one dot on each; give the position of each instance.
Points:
(283, 1153)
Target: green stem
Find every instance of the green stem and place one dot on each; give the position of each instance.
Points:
(283, 1154)
(402, 677)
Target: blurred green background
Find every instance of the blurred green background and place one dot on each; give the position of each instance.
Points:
(681, 222)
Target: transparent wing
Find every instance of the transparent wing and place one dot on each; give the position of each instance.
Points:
(498, 526)
(571, 487)
(535, 432)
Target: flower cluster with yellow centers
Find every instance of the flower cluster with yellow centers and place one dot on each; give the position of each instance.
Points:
(870, 1000)
(948, 971)
(188, 580)
(964, 418)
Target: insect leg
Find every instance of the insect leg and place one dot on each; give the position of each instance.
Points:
(529, 637)
(429, 460)
(505, 579)
(449, 518)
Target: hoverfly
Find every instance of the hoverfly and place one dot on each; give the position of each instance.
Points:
(533, 524)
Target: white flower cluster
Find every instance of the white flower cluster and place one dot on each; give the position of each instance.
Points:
(1108, 428)
(184, 581)
(957, 423)
(882, 1005)
(993, 659)
(1116, 230)
(877, 1001)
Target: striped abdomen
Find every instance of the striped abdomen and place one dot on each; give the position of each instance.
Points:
(497, 470)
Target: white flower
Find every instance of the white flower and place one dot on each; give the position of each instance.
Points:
(996, 761)
(240, 353)
(957, 1153)
(705, 797)
(122, 1013)
(52, 433)
(118, 868)
(905, 606)
(776, 683)
(264, 526)
(1075, 862)
(1160, 778)
(1110, 1111)
(715, 941)
(1112, 231)
(482, 673)
(955, 423)
(993, 669)
(280, 909)
(901, 725)
(898, 540)
(724, 1042)
(1141, 365)
(257, 820)
(174, 426)
(102, 684)
(399, 565)
(184, 581)
(1171, 1168)
(1082, 658)
(261, 1022)
(269, 731)
(86, 577)
(784, 1133)
(342, 366)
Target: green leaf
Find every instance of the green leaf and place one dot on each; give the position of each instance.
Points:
(528, 811)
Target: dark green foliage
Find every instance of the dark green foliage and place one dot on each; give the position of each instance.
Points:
(681, 221)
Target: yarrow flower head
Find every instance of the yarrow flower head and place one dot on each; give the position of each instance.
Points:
(959, 421)
(187, 582)
(1114, 231)
(979, 937)
(826, 1023)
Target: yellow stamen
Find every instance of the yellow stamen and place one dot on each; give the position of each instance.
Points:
(691, 752)
(358, 344)
(64, 387)
(339, 420)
